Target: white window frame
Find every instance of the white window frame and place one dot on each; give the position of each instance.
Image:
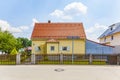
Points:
(37, 48)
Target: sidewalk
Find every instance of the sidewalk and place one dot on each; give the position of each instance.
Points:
(69, 72)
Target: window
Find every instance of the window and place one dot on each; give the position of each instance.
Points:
(111, 28)
(37, 48)
(52, 48)
(65, 48)
(105, 39)
(112, 37)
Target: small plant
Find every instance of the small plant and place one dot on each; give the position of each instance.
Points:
(14, 52)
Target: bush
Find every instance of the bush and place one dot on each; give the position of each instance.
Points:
(14, 52)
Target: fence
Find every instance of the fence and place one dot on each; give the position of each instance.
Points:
(95, 59)
(77, 59)
(7, 59)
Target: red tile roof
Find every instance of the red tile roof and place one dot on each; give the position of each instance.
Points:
(58, 30)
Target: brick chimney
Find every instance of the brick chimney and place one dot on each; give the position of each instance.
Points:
(49, 21)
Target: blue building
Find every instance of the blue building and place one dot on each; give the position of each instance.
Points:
(97, 48)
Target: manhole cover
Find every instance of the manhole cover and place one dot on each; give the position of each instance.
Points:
(59, 69)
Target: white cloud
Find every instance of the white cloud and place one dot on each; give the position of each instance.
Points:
(76, 8)
(18, 31)
(60, 14)
(24, 27)
(5, 26)
(34, 20)
(94, 32)
(70, 10)
(57, 13)
(14, 30)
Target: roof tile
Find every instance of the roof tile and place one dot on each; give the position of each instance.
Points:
(58, 30)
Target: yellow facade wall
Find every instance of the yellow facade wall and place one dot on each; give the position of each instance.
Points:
(56, 47)
(41, 44)
(107, 41)
(79, 46)
(114, 42)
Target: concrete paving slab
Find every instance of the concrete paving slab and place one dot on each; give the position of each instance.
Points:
(68, 72)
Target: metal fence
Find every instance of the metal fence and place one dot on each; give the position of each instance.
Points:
(7, 59)
(65, 59)
(95, 59)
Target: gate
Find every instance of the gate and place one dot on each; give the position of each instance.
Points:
(47, 59)
(25, 59)
(112, 59)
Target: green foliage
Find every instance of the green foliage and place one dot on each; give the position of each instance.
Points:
(24, 53)
(14, 52)
(19, 44)
(24, 42)
(7, 41)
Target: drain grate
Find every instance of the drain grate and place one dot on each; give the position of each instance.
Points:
(59, 70)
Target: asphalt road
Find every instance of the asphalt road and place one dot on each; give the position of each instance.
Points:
(59, 72)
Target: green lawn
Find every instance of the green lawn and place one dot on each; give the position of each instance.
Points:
(7, 63)
(84, 62)
(74, 63)
(99, 63)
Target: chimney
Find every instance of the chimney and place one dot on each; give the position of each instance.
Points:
(49, 21)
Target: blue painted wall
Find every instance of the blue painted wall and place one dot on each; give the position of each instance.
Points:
(96, 48)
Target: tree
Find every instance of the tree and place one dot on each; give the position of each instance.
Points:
(7, 41)
(29, 43)
(25, 42)
(19, 44)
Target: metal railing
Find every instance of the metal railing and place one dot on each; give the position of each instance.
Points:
(78, 59)
(65, 59)
(7, 59)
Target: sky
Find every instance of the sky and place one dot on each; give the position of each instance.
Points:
(19, 16)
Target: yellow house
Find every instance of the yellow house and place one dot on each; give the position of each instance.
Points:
(56, 38)
(111, 36)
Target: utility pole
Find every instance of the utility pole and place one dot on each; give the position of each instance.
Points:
(73, 38)
(72, 50)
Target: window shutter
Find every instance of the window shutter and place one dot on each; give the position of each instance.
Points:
(60, 48)
(68, 48)
(37, 48)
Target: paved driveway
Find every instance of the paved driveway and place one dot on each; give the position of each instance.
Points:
(47, 72)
